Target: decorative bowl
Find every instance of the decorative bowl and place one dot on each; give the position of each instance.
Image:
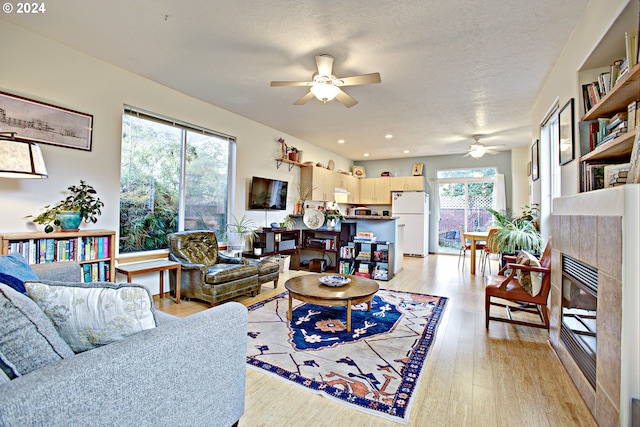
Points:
(334, 280)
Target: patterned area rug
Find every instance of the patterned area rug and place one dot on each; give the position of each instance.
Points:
(375, 368)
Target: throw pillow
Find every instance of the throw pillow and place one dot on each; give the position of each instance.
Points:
(530, 281)
(535, 277)
(14, 271)
(89, 315)
(28, 340)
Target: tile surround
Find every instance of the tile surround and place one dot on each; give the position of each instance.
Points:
(595, 240)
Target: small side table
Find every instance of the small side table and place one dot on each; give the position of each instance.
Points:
(160, 265)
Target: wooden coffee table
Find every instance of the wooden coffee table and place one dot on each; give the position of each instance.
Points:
(308, 288)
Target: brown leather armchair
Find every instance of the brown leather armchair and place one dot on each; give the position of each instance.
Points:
(208, 274)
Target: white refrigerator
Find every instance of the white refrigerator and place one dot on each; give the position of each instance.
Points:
(412, 210)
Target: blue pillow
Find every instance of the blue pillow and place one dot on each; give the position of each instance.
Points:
(14, 271)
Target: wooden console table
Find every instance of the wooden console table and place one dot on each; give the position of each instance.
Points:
(160, 265)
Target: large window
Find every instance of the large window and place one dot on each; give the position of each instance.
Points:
(173, 177)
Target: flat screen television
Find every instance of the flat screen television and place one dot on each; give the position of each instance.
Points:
(268, 194)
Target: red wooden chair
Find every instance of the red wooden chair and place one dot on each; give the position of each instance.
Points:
(509, 288)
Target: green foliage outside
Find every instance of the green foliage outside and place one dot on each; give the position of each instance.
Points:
(149, 183)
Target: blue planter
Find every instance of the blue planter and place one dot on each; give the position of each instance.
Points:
(69, 221)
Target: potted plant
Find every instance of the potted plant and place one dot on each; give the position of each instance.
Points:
(517, 232)
(81, 205)
(305, 194)
(293, 154)
(238, 231)
(332, 216)
(288, 222)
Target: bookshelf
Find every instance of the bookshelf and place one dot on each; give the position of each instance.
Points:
(373, 260)
(95, 250)
(617, 150)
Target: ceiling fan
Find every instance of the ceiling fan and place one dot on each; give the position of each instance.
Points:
(478, 149)
(326, 87)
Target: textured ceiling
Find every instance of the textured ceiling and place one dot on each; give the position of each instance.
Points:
(449, 68)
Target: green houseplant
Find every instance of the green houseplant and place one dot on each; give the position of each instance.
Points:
(517, 232)
(238, 231)
(82, 204)
(332, 216)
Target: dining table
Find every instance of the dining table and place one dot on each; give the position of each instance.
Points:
(474, 237)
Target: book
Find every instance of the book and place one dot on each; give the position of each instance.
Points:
(616, 174)
(631, 114)
(631, 46)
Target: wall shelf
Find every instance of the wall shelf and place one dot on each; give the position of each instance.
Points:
(289, 162)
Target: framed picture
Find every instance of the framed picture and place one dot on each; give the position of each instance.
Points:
(417, 169)
(45, 123)
(358, 172)
(535, 157)
(565, 133)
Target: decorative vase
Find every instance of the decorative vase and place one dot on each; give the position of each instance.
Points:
(331, 224)
(235, 242)
(68, 221)
(293, 156)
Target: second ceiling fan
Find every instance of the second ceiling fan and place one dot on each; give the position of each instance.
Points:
(325, 86)
(478, 149)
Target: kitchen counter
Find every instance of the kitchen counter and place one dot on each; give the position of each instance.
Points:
(363, 217)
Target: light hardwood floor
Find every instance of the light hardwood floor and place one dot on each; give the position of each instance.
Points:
(507, 376)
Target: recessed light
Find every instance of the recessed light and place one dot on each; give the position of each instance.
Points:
(341, 141)
(366, 154)
(388, 136)
(406, 151)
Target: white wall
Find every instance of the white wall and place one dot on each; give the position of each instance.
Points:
(47, 71)
(520, 187)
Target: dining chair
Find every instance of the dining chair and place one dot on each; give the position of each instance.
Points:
(465, 245)
(490, 248)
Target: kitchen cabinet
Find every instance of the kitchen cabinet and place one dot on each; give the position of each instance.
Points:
(376, 191)
(406, 183)
(321, 180)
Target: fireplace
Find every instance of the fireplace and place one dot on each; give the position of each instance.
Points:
(578, 329)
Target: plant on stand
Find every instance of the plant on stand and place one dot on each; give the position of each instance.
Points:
(517, 233)
(238, 232)
(332, 216)
(293, 154)
(81, 205)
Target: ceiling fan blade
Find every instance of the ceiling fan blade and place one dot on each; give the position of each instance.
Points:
(304, 99)
(324, 63)
(345, 99)
(364, 79)
(291, 83)
(491, 147)
(492, 152)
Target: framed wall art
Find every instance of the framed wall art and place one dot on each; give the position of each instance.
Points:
(45, 123)
(535, 157)
(565, 133)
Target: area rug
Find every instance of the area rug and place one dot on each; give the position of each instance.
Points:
(375, 368)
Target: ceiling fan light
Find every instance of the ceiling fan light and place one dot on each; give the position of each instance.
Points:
(324, 91)
(476, 154)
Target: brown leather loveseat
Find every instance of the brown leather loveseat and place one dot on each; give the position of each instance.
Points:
(208, 274)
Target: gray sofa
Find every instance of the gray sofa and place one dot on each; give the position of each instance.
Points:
(185, 372)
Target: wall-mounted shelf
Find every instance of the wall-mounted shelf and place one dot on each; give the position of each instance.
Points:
(618, 147)
(619, 96)
(289, 162)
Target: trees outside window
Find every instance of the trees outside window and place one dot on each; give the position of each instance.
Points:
(173, 177)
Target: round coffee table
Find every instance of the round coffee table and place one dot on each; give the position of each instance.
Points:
(308, 288)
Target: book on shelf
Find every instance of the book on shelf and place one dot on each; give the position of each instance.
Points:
(632, 116)
(616, 174)
(631, 46)
(363, 256)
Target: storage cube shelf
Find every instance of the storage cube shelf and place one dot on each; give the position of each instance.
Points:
(373, 260)
(93, 249)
